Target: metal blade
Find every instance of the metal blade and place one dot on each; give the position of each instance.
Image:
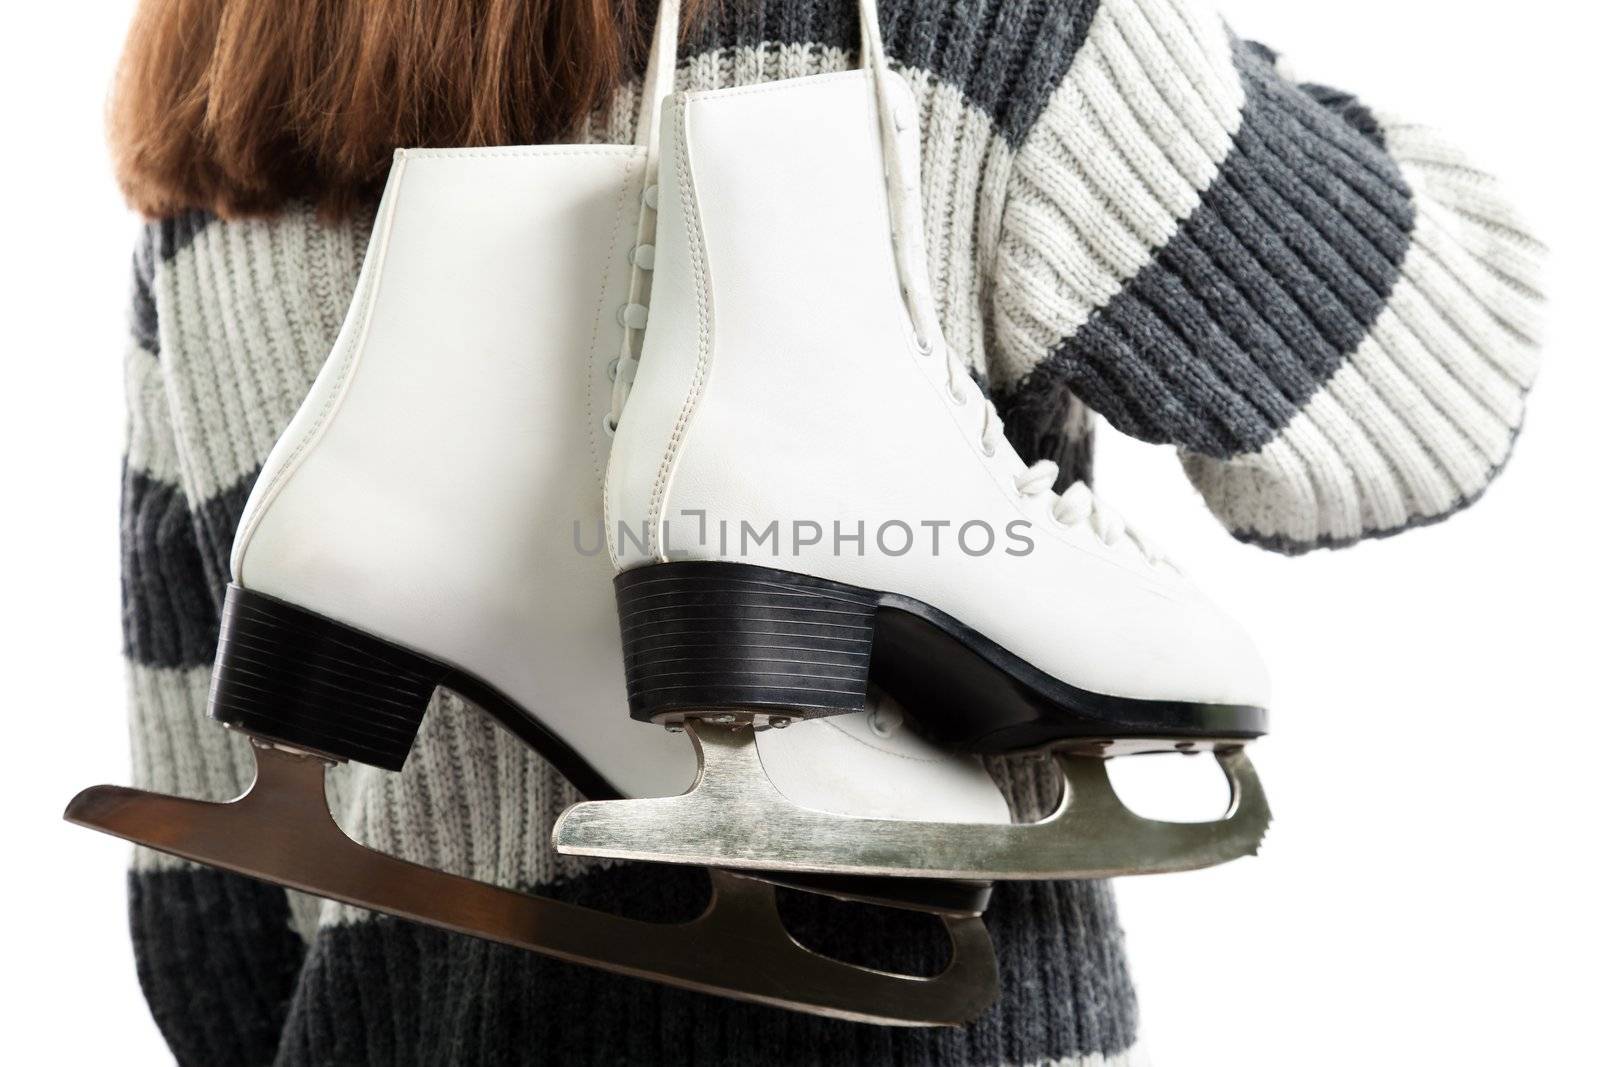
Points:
(734, 817)
(281, 831)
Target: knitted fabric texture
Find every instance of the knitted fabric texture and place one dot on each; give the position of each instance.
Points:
(1328, 312)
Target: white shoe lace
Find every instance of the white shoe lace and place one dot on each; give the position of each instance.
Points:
(1076, 505)
(658, 81)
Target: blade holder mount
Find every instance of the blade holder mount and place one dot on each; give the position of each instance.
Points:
(734, 817)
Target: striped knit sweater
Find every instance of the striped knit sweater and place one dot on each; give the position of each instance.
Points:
(1129, 211)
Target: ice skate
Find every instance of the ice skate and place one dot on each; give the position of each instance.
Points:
(778, 532)
(374, 565)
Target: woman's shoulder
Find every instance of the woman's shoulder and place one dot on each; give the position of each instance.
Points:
(1002, 59)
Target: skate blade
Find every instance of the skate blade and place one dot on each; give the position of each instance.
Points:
(281, 831)
(734, 817)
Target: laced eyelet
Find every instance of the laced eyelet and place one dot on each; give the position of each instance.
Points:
(608, 424)
(633, 316)
(924, 346)
(987, 449)
(957, 397)
(611, 368)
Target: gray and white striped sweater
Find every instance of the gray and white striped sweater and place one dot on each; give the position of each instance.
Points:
(1129, 211)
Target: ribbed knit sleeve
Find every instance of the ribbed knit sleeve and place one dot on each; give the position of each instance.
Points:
(1330, 312)
(215, 953)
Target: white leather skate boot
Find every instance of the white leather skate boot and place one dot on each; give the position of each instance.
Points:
(809, 493)
(375, 564)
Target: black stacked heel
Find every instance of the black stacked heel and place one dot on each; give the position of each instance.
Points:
(297, 677)
(704, 636)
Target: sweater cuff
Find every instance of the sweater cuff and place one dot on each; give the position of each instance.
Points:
(1331, 314)
(1423, 413)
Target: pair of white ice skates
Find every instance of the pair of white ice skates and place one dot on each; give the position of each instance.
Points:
(818, 525)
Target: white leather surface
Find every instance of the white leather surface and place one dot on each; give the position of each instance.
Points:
(435, 507)
(800, 395)
(309, 421)
(428, 489)
(840, 764)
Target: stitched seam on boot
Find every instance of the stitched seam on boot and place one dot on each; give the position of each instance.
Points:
(691, 219)
(346, 373)
(623, 184)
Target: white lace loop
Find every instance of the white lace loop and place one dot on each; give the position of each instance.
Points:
(993, 434)
(1078, 505)
(658, 79)
(1038, 480)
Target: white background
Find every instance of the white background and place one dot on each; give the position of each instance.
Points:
(1427, 893)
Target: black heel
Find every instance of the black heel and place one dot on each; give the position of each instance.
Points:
(706, 636)
(294, 676)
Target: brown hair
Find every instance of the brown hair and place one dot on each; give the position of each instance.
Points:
(236, 106)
